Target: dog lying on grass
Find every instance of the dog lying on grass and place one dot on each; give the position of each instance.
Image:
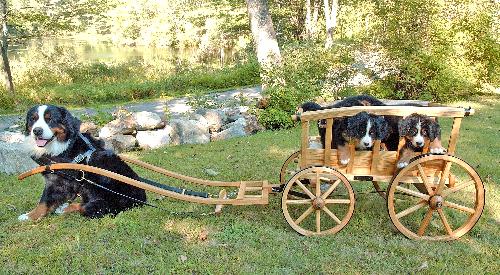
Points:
(53, 135)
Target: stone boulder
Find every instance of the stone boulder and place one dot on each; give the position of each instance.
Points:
(120, 143)
(124, 125)
(252, 125)
(148, 121)
(89, 127)
(14, 158)
(215, 118)
(231, 130)
(154, 139)
(11, 137)
(186, 131)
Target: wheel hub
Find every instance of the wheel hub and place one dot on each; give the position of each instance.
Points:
(318, 203)
(436, 202)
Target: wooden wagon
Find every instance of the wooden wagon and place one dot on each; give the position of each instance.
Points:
(430, 184)
(318, 198)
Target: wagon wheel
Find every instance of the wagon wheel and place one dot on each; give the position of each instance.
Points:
(331, 200)
(290, 167)
(436, 197)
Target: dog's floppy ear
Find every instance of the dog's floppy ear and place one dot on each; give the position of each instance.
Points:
(354, 124)
(404, 126)
(72, 123)
(27, 120)
(381, 126)
(434, 129)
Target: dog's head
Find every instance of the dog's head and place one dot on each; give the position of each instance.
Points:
(366, 128)
(49, 129)
(418, 128)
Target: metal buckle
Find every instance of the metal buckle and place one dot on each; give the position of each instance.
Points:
(83, 176)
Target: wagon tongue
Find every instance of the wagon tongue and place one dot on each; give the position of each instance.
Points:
(40, 142)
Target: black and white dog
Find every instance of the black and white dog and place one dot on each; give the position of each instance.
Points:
(363, 128)
(53, 135)
(417, 130)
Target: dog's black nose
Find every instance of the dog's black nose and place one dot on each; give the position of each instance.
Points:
(419, 143)
(366, 143)
(38, 131)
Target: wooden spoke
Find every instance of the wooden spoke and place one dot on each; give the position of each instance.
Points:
(444, 176)
(318, 185)
(318, 221)
(459, 207)
(335, 218)
(412, 193)
(412, 209)
(457, 188)
(337, 201)
(304, 215)
(425, 222)
(311, 195)
(298, 201)
(331, 189)
(445, 222)
(424, 179)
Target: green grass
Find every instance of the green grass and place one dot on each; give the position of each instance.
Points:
(119, 85)
(248, 239)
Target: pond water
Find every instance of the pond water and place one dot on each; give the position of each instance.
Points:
(101, 51)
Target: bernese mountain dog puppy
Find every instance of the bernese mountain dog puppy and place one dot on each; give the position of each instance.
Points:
(363, 128)
(417, 130)
(53, 135)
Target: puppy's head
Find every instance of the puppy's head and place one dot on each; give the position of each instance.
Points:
(366, 128)
(49, 129)
(417, 129)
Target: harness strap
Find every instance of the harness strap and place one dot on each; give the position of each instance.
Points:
(87, 155)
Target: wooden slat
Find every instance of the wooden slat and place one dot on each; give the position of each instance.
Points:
(401, 143)
(304, 144)
(352, 157)
(452, 143)
(375, 155)
(385, 111)
(241, 191)
(328, 140)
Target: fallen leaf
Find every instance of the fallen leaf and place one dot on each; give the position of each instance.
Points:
(203, 235)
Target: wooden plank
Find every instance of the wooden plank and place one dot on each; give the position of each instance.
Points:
(385, 111)
(375, 155)
(304, 144)
(328, 140)
(352, 156)
(452, 143)
(241, 191)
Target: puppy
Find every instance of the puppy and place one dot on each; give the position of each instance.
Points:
(53, 135)
(363, 128)
(417, 130)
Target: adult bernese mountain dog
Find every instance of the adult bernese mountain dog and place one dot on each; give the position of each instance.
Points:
(363, 128)
(53, 135)
(417, 130)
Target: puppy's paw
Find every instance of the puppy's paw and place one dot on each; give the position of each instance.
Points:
(61, 208)
(437, 150)
(24, 217)
(344, 161)
(402, 164)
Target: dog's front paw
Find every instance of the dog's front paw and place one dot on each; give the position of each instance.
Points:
(438, 150)
(344, 161)
(24, 217)
(61, 208)
(402, 164)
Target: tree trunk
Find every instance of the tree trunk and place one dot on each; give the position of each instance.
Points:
(330, 20)
(311, 18)
(264, 36)
(3, 44)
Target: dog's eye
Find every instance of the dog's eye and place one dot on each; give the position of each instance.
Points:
(424, 132)
(47, 117)
(413, 132)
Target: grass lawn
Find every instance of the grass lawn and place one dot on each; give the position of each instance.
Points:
(248, 239)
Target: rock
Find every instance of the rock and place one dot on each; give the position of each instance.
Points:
(154, 139)
(14, 158)
(189, 131)
(11, 137)
(252, 125)
(215, 119)
(124, 125)
(232, 114)
(89, 127)
(211, 172)
(120, 143)
(148, 121)
(234, 129)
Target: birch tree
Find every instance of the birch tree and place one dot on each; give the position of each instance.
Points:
(3, 48)
(331, 11)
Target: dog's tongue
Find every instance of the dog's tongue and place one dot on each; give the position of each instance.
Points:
(41, 142)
